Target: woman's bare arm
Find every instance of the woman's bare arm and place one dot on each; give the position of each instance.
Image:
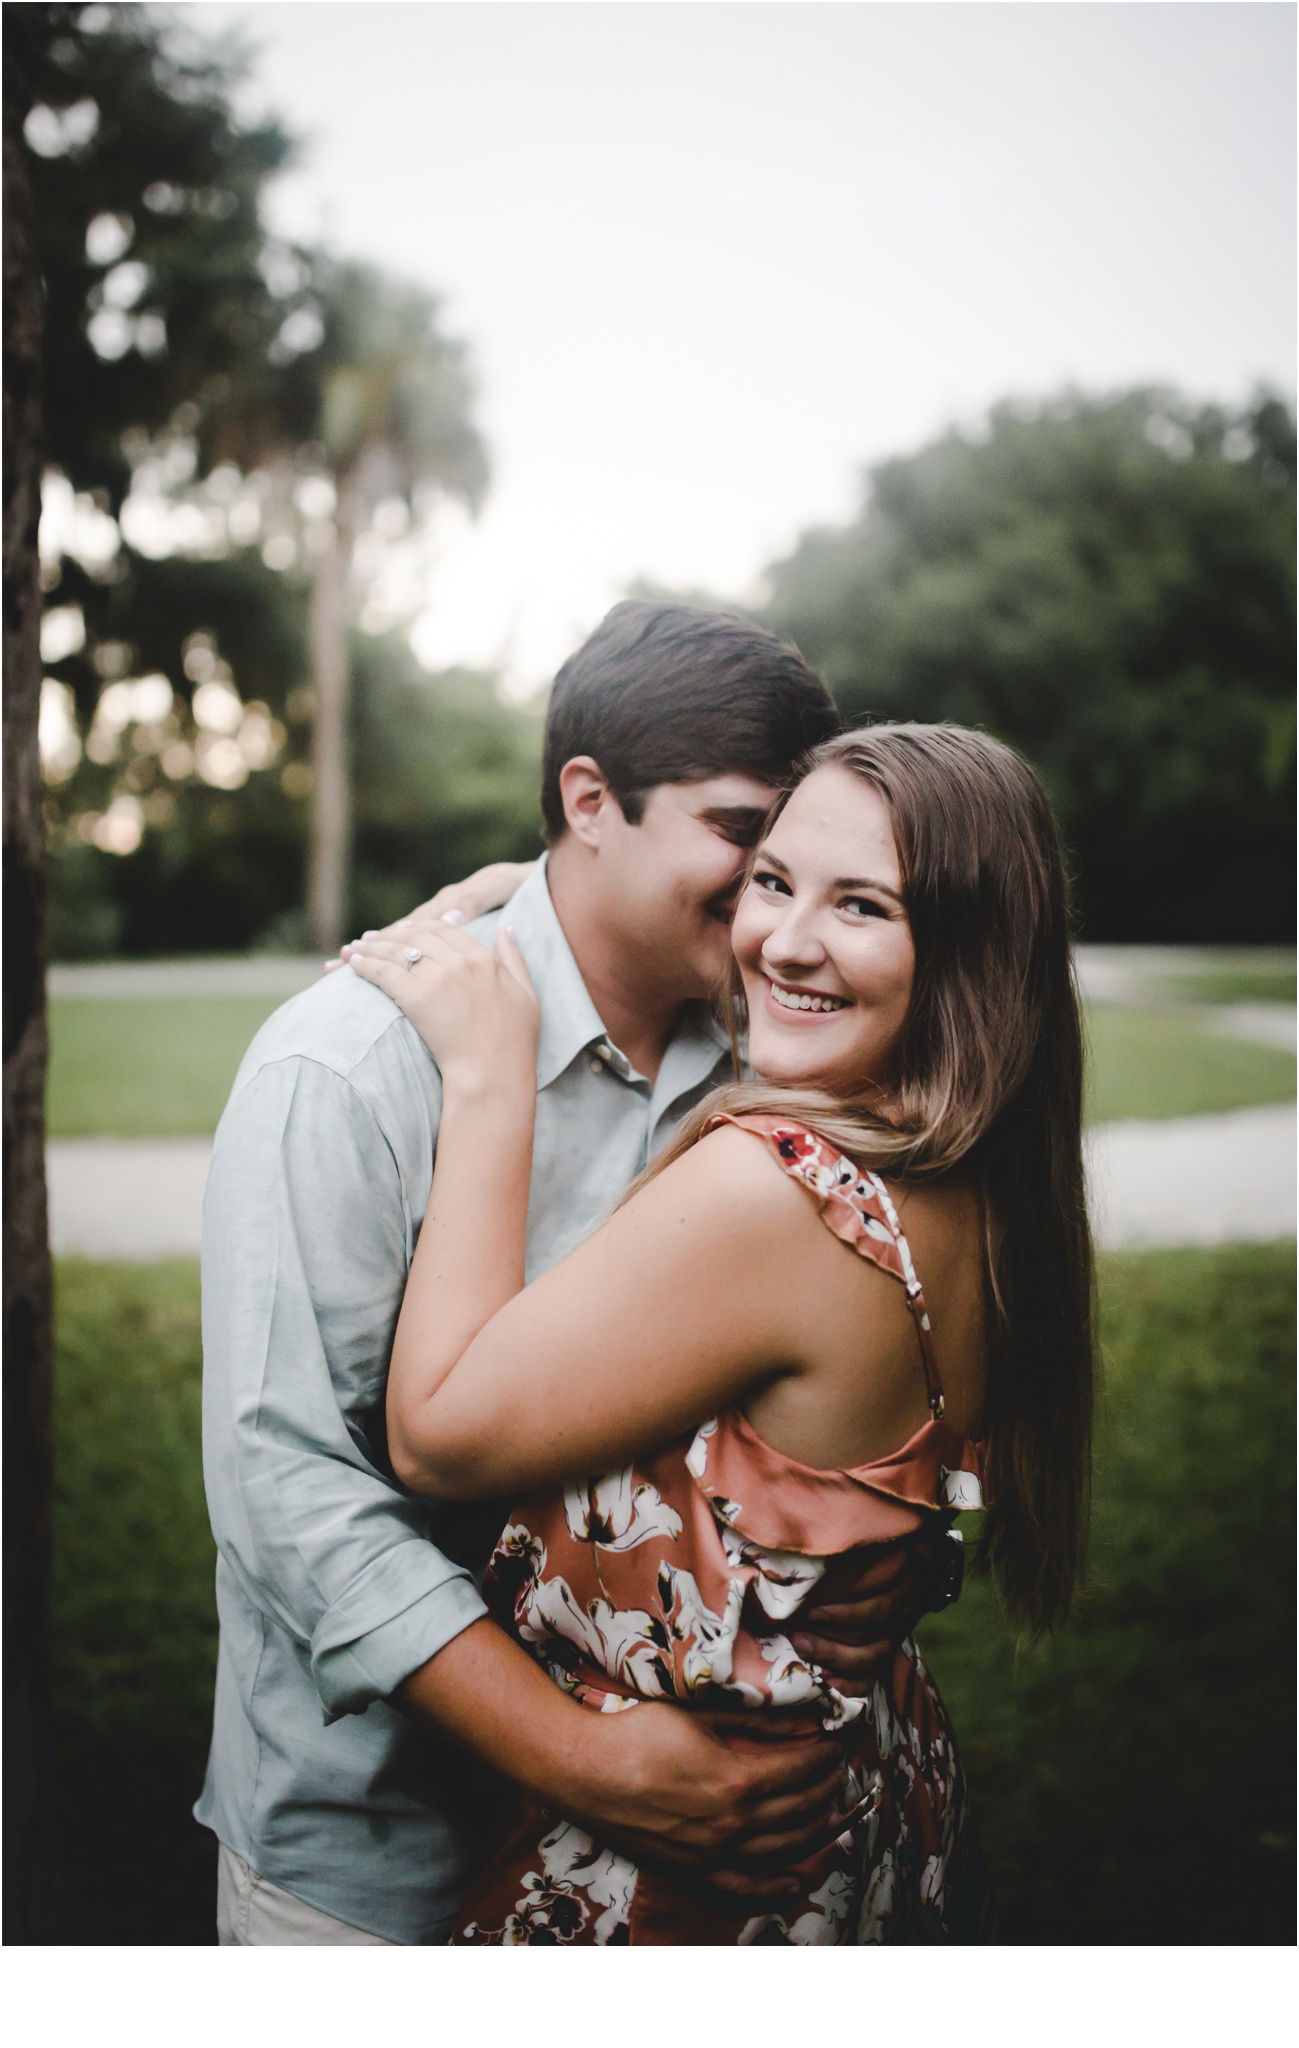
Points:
(477, 1014)
(687, 1299)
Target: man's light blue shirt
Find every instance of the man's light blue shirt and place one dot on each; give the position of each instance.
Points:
(333, 1583)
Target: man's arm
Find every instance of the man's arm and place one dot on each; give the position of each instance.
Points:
(306, 1242)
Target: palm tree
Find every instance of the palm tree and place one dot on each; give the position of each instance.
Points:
(392, 419)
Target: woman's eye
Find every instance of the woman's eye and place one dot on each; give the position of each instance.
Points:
(863, 906)
(775, 885)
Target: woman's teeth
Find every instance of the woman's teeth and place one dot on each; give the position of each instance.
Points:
(789, 1001)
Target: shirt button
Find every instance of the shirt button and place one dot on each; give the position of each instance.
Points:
(597, 1066)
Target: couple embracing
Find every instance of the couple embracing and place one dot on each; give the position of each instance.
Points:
(609, 1305)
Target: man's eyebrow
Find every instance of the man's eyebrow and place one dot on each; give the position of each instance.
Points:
(841, 881)
(736, 817)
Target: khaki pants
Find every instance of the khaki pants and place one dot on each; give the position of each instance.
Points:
(254, 1913)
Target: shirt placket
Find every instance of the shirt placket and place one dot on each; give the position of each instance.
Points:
(605, 1058)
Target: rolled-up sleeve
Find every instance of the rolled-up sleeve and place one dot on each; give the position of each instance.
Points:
(307, 1236)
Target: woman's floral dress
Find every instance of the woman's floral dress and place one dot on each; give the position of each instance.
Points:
(676, 1579)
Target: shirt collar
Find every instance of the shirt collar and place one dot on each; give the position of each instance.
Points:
(570, 1021)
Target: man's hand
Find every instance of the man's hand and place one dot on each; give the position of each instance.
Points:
(724, 1798)
(864, 1610)
(458, 903)
(719, 1798)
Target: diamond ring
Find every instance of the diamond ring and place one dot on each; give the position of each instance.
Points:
(411, 954)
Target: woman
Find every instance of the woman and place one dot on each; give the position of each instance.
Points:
(843, 1293)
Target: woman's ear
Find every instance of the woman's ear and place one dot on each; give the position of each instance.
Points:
(583, 789)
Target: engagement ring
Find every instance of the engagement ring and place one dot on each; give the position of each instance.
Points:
(411, 955)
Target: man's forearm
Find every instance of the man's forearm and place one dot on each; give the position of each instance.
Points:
(654, 1782)
(487, 1693)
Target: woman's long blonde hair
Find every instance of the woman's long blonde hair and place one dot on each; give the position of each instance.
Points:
(991, 1077)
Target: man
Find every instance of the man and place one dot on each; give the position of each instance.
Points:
(357, 1663)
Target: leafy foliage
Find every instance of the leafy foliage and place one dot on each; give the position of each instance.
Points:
(214, 397)
(213, 866)
(147, 207)
(447, 778)
(360, 364)
(1107, 584)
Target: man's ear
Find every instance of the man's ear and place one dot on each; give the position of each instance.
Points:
(584, 791)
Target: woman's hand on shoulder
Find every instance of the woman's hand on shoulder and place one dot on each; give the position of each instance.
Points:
(458, 903)
(474, 1008)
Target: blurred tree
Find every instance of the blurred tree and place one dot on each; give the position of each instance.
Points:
(377, 399)
(175, 737)
(30, 1863)
(447, 779)
(219, 394)
(1108, 584)
(161, 305)
(152, 251)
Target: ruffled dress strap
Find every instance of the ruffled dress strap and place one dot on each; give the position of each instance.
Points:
(857, 1207)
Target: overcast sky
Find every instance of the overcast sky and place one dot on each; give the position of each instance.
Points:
(711, 259)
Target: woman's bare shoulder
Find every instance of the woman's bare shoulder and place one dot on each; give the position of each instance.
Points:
(732, 1176)
(943, 1222)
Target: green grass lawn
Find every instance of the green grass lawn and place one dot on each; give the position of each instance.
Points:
(1157, 1063)
(133, 1614)
(147, 1069)
(1242, 984)
(135, 1630)
(1132, 1777)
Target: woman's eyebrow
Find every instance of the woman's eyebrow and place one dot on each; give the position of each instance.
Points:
(841, 881)
(864, 882)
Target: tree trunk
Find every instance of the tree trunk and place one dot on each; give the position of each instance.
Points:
(331, 803)
(30, 1869)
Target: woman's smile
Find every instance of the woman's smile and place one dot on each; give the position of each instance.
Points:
(803, 1004)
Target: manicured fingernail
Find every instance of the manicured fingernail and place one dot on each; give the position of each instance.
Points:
(452, 917)
(370, 935)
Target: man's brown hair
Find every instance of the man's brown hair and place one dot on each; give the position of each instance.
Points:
(668, 693)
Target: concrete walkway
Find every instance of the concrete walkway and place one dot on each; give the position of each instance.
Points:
(127, 1198)
(137, 981)
(1194, 1179)
(1184, 1180)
